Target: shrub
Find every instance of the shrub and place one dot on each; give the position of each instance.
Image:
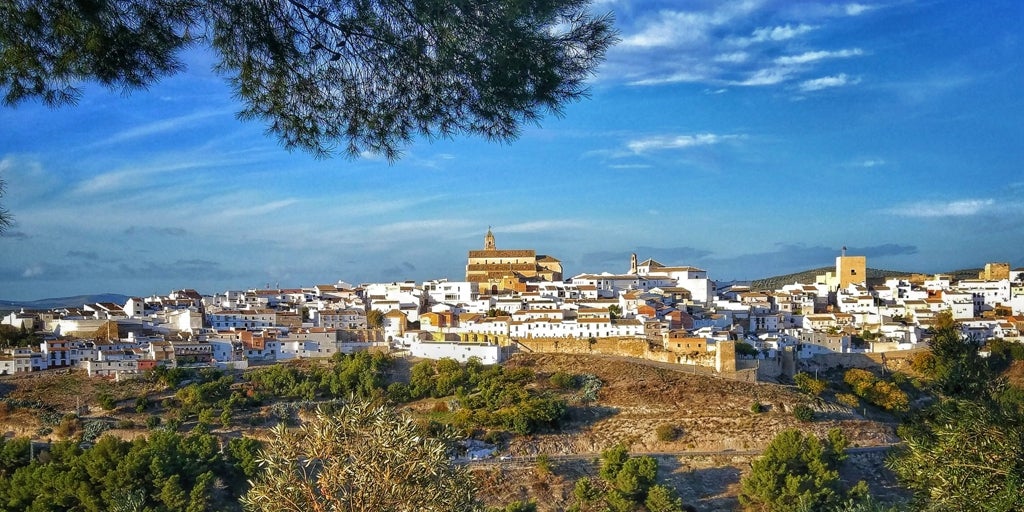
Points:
(153, 421)
(107, 402)
(543, 464)
(68, 426)
(876, 391)
(666, 432)
(562, 380)
(848, 399)
(92, 430)
(809, 384)
(803, 413)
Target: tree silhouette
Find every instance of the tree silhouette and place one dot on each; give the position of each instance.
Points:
(325, 75)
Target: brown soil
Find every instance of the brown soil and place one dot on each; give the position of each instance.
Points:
(712, 415)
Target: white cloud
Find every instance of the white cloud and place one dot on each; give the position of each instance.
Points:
(814, 56)
(135, 176)
(857, 9)
(674, 78)
(670, 28)
(871, 162)
(257, 208)
(778, 33)
(768, 76)
(676, 142)
(33, 271)
(424, 227)
(542, 225)
(732, 57)
(163, 126)
(630, 166)
(931, 209)
(826, 82)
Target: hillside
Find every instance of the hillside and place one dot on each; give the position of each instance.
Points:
(60, 302)
(711, 415)
(808, 276)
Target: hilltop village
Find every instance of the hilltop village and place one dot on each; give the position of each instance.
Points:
(515, 300)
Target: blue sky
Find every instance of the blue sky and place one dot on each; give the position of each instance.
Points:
(749, 138)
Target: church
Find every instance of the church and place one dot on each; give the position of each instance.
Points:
(496, 270)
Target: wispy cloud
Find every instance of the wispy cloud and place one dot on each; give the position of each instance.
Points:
(677, 142)
(137, 175)
(256, 209)
(932, 209)
(857, 9)
(542, 226)
(826, 82)
(164, 231)
(158, 127)
(727, 44)
(870, 162)
(630, 166)
(779, 33)
(767, 76)
(814, 56)
(423, 227)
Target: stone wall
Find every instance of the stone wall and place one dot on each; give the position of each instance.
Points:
(895, 360)
(615, 346)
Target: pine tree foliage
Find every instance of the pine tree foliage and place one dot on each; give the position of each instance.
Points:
(965, 452)
(325, 75)
(963, 455)
(362, 457)
(796, 472)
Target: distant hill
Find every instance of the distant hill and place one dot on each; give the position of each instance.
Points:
(807, 276)
(62, 302)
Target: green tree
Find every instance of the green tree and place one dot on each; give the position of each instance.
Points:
(614, 311)
(200, 498)
(612, 460)
(796, 472)
(172, 495)
(957, 369)
(374, 319)
(661, 498)
(746, 349)
(636, 476)
(361, 457)
(323, 74)
(963, 455)
(586, 491)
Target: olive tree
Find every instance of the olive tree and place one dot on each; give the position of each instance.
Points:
(361, 457)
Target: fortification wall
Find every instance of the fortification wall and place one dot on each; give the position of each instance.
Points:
(615, 346)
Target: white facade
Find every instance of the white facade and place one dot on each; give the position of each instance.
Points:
(457, 292)
(462, 352)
